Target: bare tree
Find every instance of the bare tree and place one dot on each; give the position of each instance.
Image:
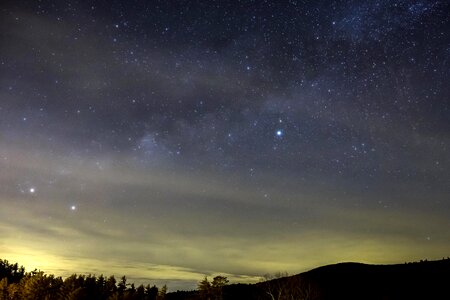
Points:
(281, 287)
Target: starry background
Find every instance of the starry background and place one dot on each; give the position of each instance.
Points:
(166, 140)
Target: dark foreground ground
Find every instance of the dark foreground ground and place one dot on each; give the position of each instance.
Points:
(420, 280)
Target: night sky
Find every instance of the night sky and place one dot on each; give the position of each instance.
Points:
(168, 140)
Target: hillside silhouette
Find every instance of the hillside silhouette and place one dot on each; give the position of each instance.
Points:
(418, 280)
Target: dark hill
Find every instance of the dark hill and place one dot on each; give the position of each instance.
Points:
(423, 280)
(420, 280)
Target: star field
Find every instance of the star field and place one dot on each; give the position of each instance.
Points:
(168, 140)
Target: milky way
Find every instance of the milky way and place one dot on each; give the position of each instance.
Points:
(168, 140)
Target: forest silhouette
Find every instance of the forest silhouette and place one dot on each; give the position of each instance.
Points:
(417, 280)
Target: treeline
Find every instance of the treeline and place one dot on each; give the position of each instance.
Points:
(15, 283)
(351, 281)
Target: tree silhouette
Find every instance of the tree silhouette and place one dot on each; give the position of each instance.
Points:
(140, 293)
(4, 288)
(204, 288)
(41, 286)
(110, 286)
(122, 286)
(12, 272)
(151, 292)
(16, 284)
(162, 293)
(213, 290)
(14, 291)
(217, 286)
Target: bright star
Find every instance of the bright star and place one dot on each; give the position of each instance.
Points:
(279, 133)
(73, 207)
(32, 190)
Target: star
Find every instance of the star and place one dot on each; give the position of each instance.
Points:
(32, 190)
(73, 208)
(279, 133)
